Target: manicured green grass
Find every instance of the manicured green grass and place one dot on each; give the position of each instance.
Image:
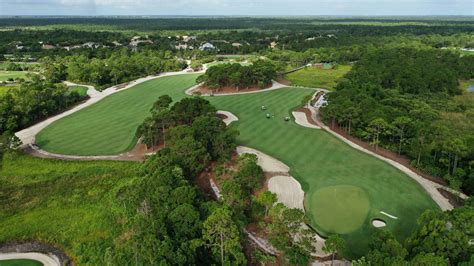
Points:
(109, 126)
(313, 77)
(70, 205)
(20, 262)
(318, 160)
(7, 75)
(81, 90)
(342, 209)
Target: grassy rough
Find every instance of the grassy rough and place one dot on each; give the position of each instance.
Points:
(67, 204)
(81, 90)
(109, 126)
(313, 77)
(6, 75)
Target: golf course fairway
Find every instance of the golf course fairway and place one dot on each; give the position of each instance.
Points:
(364, 185)
(108, 127)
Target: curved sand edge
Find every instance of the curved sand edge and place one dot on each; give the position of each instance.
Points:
(230, 117)
(46, 259)
(268, 163)
(288, 191)
(302, 120)
(275, 86)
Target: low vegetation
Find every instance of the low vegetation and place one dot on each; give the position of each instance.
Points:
(11, 76)
(318, 77)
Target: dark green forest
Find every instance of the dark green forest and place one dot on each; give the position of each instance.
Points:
(401, 99)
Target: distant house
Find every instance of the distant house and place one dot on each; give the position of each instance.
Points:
(184, 46)
(91, 45)
(188, 38)
(331, 36)
(116, 43)
(310, 39)
(135, 41)
(48, 47)
(207, 46)
(273, 45)
(19, 47)
(236, 44)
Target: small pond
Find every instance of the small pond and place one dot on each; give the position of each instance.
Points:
(470, 88)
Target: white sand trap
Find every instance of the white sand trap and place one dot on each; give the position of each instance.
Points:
(268, 163)
(389, 215)
(302, 120)
(230, 117)
(288, 190)
(47, 260)
(378, 223)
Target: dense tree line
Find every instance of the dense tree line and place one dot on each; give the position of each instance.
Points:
(365, 25)
(172, 222)
(397, 98)
(33, 101)
(442, 238)
(260, 73)
(113, 68)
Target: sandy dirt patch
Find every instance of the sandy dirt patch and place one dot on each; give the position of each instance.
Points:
(288, 190)
(268, 163)
(378, 223)
(329, 263)
(228, 117)
(389, 215)
(47, 260)
(197, 90)
(302, 120)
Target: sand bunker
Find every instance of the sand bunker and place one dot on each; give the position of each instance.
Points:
(302, 120)
(378, 223)
(288, 190)
(47, 260)
(230, 117)
(268, 163)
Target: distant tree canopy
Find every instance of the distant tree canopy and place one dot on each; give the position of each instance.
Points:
(118, 66)
(400, 98)
(32, 101)
(260, 73)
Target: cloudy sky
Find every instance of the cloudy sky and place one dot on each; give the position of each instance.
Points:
(237, 7)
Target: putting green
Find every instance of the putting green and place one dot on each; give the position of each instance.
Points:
(339, 209)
